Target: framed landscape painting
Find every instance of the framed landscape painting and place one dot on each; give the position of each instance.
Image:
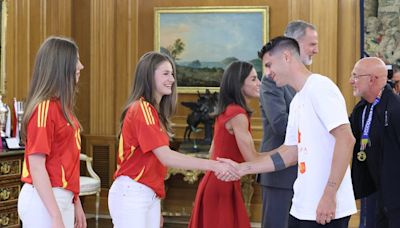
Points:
(203, 41)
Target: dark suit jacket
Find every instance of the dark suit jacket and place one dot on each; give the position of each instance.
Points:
(380, 171)
(275, 102)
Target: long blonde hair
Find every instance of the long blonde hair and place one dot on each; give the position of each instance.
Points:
(144, 84)
(53, 77)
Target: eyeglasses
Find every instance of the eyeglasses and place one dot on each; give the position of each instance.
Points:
(356, 77)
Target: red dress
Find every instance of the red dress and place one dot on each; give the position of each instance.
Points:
(219, 203)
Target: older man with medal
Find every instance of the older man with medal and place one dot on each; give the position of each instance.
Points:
(375, 122)
(361, 155)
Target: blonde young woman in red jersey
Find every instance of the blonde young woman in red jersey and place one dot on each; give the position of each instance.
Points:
(144, 153)
(49, 197)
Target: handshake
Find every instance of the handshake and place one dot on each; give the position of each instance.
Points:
(228, 170)
(278, 159)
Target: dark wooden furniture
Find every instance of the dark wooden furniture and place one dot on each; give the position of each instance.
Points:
(10, 186)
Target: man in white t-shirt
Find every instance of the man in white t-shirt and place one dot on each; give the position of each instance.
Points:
(277, 187)
(318, 138)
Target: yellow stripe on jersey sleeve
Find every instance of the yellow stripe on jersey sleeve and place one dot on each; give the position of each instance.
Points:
(25, 171)
(39, 114)
(64, 180)
(121, 148)
(144, 111)
(43, 109)
(151, 118)
(46, 111)
(140, 174)
(131, 153)
(78, 138)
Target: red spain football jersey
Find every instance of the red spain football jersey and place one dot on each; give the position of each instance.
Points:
(141, 133)
(49, 133)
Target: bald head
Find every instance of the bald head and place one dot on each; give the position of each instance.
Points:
(369, 76)
(374, 66)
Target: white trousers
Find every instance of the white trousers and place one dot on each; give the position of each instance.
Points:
(133, 204)
(33, 212)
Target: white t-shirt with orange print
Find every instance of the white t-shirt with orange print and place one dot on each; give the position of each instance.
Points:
(316, 109)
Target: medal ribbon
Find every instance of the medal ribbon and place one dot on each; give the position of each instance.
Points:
(367, 127)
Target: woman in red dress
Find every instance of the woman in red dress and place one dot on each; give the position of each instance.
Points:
(219, 203)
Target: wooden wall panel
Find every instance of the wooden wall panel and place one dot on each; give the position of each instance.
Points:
(299, 9)
(112, 35)
(29, 23)
(337, 26)
(324, 14)
(126, 31)
(17, 76)
(58, 17)
(348, 47)
(102, 30)
(37, 20)
(103, 150)
(82, 36)
(109, 54)
(10, 64)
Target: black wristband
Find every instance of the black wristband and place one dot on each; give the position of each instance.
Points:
(278, 161)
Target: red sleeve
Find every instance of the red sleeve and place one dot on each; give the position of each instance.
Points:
(40, 130)
(150, 133)
(232, 111)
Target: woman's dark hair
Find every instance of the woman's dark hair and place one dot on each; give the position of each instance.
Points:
(231, 86)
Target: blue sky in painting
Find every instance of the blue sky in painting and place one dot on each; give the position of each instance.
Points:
(213, 36)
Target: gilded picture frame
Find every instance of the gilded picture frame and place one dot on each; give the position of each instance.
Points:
(204, 40)
(3, 24)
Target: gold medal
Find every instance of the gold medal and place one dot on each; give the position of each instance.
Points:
(361, 156)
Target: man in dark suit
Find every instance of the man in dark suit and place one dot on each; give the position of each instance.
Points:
(277, 187)
(375, 122)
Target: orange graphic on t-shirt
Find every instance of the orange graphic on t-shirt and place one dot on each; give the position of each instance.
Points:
(298, 136)
(302, 167)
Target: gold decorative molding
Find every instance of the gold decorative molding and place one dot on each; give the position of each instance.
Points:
(9, 218)
(10, 167)
(190, 176)
(9, 193)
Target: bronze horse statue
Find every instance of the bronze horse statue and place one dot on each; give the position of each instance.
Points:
(203, 111)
